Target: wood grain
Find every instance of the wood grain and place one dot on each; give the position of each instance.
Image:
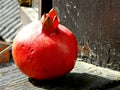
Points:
(98, 23)
(84, 76)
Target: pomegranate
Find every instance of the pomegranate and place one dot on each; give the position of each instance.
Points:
(45, 49)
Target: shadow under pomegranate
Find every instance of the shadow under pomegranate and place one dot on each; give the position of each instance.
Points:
(75, 81)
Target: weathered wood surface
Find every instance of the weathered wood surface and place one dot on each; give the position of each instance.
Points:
(95, 21)
(83, 77)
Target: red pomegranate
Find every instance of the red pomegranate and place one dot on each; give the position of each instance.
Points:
(45, 49)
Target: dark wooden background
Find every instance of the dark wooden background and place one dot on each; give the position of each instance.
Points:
(95, 21)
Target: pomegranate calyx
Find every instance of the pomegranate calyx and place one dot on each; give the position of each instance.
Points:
(50, 22)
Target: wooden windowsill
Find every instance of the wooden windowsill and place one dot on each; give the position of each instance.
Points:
(84, 76)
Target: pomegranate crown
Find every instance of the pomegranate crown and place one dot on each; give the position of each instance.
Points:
(50, 21)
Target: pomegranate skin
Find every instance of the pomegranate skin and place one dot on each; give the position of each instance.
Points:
(44, 56)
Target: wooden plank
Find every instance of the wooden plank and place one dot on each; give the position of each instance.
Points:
(84, 76)
(98, 23)
(5, 57)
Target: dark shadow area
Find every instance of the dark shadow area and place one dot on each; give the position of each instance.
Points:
(76, 81)
(46, 6)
